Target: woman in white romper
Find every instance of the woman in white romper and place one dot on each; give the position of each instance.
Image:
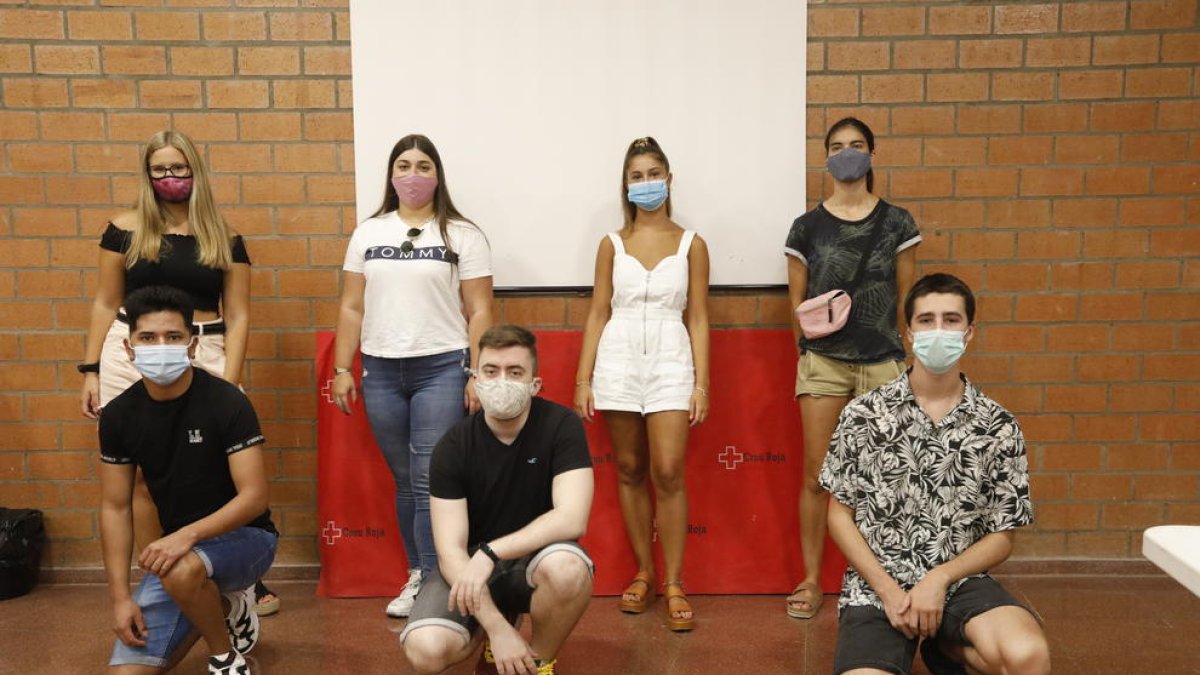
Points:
(645, 363)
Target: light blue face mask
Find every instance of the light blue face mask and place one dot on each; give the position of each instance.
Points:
(161, 364)
(649, 195)
(939, 350)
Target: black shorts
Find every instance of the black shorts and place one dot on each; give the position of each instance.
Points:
(866, 638)
(511, 587)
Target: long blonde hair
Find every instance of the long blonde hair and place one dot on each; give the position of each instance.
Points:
(212, 235)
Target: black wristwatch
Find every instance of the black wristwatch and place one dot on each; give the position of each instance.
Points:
(88, 367)
(487, 550)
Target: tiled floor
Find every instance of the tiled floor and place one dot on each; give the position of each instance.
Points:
(1125, 625)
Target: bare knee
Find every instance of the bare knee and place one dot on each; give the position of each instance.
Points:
(631, 469)
(563, 575)
(432, 649)
(668, 478)
(1025, 655)
(185, 575)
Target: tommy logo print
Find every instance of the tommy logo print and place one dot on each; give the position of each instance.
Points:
(194, 436)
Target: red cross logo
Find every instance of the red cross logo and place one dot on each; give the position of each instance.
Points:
(327, 391)
(331, 533)
(730, 457)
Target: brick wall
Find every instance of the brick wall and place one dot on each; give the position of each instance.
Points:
(1050, 153)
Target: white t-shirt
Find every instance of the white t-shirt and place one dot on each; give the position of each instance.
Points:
(412, 305)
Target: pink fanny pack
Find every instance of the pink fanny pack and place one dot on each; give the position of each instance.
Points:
(824, 314)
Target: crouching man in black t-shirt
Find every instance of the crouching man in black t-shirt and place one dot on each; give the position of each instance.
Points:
(511, 489)
(197, 441)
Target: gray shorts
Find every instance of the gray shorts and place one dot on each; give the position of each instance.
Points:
(511, 587)
(866, 638)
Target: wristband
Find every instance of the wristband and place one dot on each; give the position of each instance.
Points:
(339, 371)
(88, 367)
(487, 550)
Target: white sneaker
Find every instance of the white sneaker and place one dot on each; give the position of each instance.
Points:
(232, 664)
(403, 604)
(242, 622)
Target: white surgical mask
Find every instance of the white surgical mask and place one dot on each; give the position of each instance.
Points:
(161, 364)
(504, 399)
(938, 350)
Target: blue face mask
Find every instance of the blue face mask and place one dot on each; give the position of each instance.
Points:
(939, 350)
(161, 364)
(649, 195)
(849, 165)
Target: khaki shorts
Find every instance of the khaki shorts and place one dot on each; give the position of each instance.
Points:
(818, 375)
(117, 372)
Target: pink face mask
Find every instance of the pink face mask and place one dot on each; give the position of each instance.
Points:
(414, 191)
(172, 189)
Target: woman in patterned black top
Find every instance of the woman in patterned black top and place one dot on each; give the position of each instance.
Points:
(860, 244)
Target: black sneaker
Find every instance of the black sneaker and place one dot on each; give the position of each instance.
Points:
(936, 661)
(242, 621)
(232, 664)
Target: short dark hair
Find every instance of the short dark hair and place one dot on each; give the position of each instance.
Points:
(940, 282)
(510, 335)
(153, 299)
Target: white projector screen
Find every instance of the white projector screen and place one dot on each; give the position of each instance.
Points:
(532, 103)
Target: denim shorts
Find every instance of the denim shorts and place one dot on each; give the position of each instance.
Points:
(866, 639)
(234, 561)
(511, 587)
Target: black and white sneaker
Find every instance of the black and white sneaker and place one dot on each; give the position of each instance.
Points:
(232, 664)
(242, 621)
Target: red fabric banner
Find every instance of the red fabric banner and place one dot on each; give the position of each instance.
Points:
(743, 476)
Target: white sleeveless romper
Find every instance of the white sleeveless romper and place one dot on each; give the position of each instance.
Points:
(644, 360)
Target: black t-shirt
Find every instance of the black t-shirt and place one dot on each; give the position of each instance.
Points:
(507, 486)
(178, 265)
(833, 249)
(183, 446)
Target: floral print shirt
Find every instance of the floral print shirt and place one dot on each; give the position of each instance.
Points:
(923, 492)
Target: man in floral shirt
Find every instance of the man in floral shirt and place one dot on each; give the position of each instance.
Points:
(929, 482)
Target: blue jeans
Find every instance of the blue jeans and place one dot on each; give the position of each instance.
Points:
(234, 561)
(410, 404)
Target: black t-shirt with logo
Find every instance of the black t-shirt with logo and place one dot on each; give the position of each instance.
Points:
(833, 250)
(507, 486)
(183, 446)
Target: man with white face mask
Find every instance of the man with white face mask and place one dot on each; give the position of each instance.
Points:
(197, 440)
(929, 480)
(511, 491)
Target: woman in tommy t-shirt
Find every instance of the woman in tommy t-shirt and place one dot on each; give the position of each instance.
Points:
(173, 236)
(860, 244)
(416, 296)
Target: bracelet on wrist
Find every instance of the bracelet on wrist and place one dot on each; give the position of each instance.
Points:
(702, 390)
(340, 371)
(487, 550)
(88, 367)
(583, 384)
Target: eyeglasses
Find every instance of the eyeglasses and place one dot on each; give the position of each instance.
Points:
(413, 233)
(175, 171)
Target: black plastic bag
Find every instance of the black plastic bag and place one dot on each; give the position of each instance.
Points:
(22, 535)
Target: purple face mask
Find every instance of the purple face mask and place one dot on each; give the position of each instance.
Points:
(849, 165)
(172, 189)
(414, 191)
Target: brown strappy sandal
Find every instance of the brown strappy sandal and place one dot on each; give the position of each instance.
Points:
(808, 593)
(677, 603)
(644, 598)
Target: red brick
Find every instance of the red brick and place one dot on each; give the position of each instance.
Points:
(830, 22)
(985, 182)
(1157, 82)
(308, 220)
(1111, 307)
(1171, 427)
(136, 126)
(305, 158)
(49, 284)
(1046, 308)
(330, 189)
(24, 24)
(1150, 14)
(1155, 147)
(1055, 117)
(1165, 486)
(1109, 367)
(329, 127)
(1172, 306)
(301, 26)
(1058, 52)
(1136, 275)
(1131, 516)
(1178, 179)
(1017, 399)
(1136, 457)
(270, 126)
(1047, 428)
(1125, 49)
(924, 54)
(42, 222)
(1181, 48)
(52, 347)
(308, 283)
(1070, 457)
(201, 61)
(238, 94)
(989, 53)
(20, 190)
(103, 93)
(268, 61)
(78, 190)
(16, 58)
(106, 25)
(954, 151)
(304, 94)
(1104, 487)
(273, 190)
(855, 56)
(986, 369)
(832, 89)
(1092, 149)
(1002, 339)
(1168, 367)
(167, 26)
(1057, 181)
(1043, 368)
(951, 214)
(1027, 18)
(1023, 86)
(134, 60)
(893, 21)
(336, 60)
(988, 119)
(957, 87)
(66, 60)
(170, 94)
(1097, 545)
(892, 88)
(1016, 277)
(1090, 84)
(1117, 180)
(1084, 212)
(71, 126)
(1027, 149)
(1082, 276)
(39, 158)
(1075, 338)
(1171, 243)
(960, 20)
(1088, 17)
(723, 311)
(240, 157)
(60, 465)
(1068, 516)
(230, 26)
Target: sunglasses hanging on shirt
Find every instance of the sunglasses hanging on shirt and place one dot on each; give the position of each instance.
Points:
(413, 233)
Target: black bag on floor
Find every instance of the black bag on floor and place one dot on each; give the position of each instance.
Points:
(22, 534)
